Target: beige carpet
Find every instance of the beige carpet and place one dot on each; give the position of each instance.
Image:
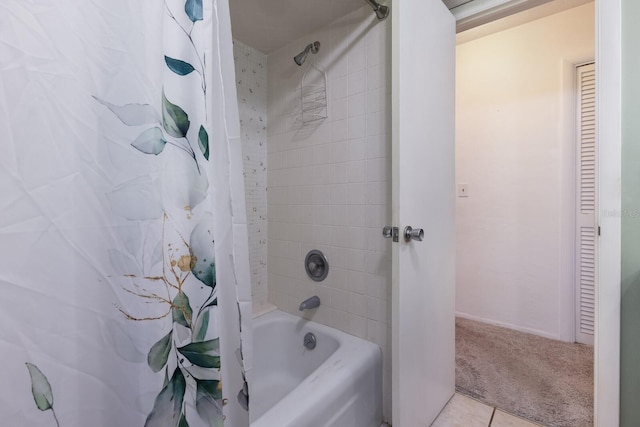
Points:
(546, 381)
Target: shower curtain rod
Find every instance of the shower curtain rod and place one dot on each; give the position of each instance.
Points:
(381, 11)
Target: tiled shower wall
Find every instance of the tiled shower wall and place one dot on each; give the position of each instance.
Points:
(251, 84)
(329, 181)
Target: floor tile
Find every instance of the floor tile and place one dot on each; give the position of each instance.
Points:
(502, 419)
(462, 411)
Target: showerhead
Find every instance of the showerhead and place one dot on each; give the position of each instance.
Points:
(381, 11)
(302, 56)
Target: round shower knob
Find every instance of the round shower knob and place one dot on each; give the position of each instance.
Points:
(316, 265)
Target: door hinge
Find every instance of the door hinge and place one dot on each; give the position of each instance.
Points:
(598, 231)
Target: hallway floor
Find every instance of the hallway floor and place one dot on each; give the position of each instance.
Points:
(463, 411)
(545, 381)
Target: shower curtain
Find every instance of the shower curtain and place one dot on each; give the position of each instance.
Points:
(120, 168)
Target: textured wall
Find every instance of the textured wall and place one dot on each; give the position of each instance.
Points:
(251, 84)
(329, 182)
(512, 256)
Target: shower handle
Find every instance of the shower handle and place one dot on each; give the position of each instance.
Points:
(410, 234)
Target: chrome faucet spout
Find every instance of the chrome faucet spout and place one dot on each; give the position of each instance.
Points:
(310, 303)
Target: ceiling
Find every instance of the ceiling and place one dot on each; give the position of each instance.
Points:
(267, 25)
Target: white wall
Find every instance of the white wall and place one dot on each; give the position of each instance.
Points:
(328, 183)
(251, 86)
(514, 232)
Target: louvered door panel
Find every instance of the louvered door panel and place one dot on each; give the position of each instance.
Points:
(586, 232)
(587, 280)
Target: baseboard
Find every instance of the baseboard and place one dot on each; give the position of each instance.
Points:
(510, 326)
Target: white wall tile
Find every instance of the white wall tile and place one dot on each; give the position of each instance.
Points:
(357, 104)
(340, 258)
(357, 149)
(339, 194)
(321, 156)
(357, 194)
(339, 169)
(339, 108)
(339, 299)
(357, 282)
(358, 215)
(377, 170)
(376, 100)
(357, 127)
(357, 82)
(358, 237)
(378, 146)
(356, 259)
(339, 215)
(357, 304)
(339, 130)
(358, 326)
(338, 87)
(357, 57)
(357, 171)
(376, 193)
(339, 173)
(339, 152)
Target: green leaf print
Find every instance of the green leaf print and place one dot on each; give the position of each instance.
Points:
(203, 354)
(159, 353)
(203, 323)
(209, 402)
(183, 422)
(132, 114)
(182, 312)
(174, 119)
(203, 142)
(40, 388)
(151, 141)
(201, 243)
(179, 67)
(167, 408)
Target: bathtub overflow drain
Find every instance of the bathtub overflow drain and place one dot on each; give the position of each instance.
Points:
(310, 341)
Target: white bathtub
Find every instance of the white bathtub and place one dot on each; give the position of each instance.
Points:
(337, 384)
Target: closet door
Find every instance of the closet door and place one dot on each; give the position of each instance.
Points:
(586, 225)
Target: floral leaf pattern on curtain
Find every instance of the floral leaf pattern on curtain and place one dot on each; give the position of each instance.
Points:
(117, 142)
(184, 348)
(41, 390)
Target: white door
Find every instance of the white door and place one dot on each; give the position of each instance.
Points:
(423, 324)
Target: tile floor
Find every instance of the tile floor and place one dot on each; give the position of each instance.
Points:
(462, 411)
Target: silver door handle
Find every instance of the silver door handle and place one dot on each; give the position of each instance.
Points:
(413, 234)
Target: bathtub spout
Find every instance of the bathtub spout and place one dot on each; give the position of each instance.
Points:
(310, 303)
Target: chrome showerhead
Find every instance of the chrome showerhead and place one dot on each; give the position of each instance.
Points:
(381, 11)
(302, 56)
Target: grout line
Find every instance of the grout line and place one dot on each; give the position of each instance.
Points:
(492, 415)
